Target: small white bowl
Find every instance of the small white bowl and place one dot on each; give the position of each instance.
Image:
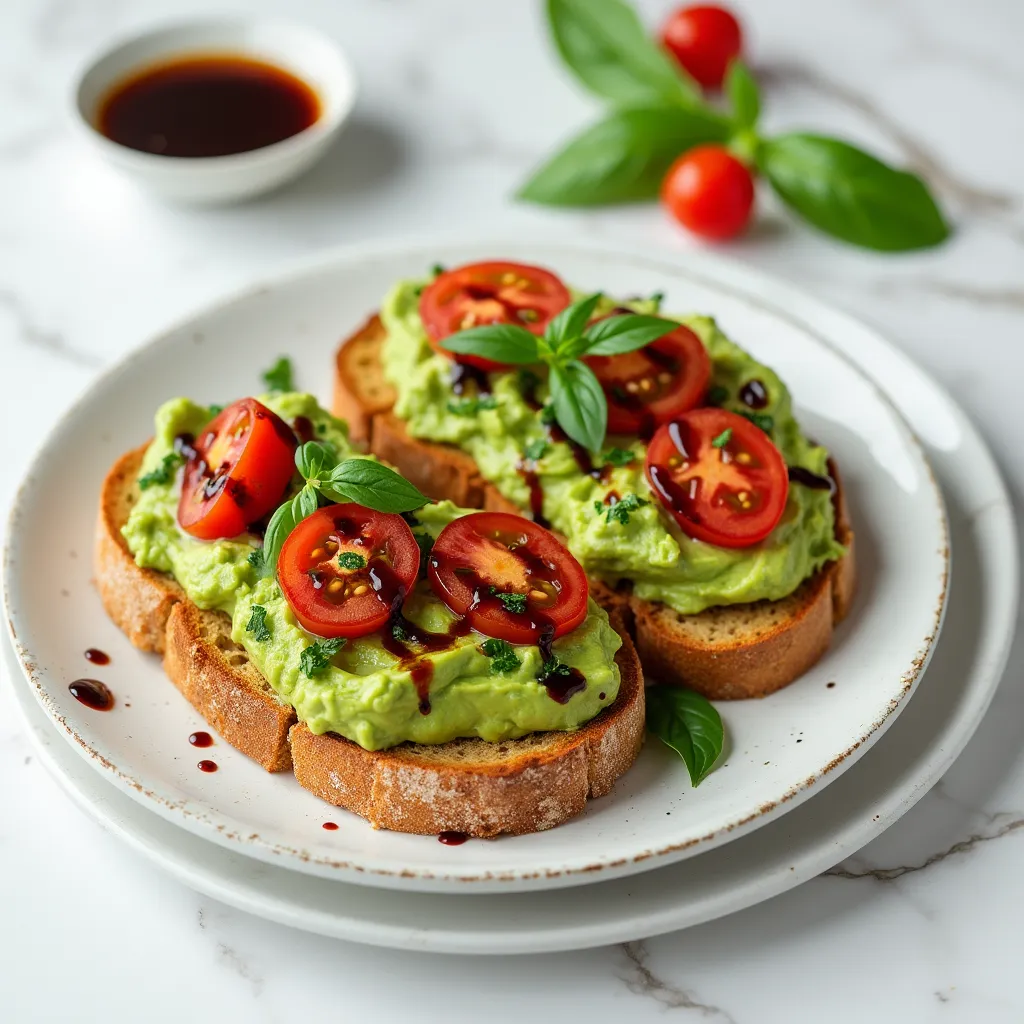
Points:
(306, 53)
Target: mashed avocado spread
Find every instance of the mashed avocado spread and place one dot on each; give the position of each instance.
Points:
(365, 694)
(648, 548)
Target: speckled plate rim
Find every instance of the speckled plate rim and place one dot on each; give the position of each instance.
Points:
(746, 285)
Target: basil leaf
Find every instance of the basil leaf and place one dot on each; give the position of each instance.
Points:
(849, 194)
(744, 97)
(504, 343)
(625, 333)
(282, 522)
(579, 404)
(373, 485)
(689, 724)
(568, 325)
(305, 503)
(622, 158)
(313, 458)
(609, 50)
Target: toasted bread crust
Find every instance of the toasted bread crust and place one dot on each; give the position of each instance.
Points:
(152, 609)
(481, 789)
(138, 600)
(215, 676)
(726, 653)
(517, 786)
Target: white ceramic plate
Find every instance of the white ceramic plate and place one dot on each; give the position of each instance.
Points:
(968, 663)
(781, 750)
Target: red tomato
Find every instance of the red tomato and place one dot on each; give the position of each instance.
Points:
(490, 293)
(704, 39)
(710, 192)
(731, 493)
(653, 384)
(237, 471)
(510, 577)
(345, 569)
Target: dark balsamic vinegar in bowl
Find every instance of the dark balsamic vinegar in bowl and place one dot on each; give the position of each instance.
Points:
(207, 105)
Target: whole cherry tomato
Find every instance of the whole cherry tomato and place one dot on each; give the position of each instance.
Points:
(710, 192)
(704, 39)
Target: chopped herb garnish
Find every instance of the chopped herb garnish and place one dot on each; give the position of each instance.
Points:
(399, 632)
(351, 560)
(723, 438)
(547, 415)
(317, 656)
(514, 603)
(503, 656)
(321, 428)
(552, 667)
(257, 624)
(535, 450)
(760, 419)
(255, 559)
(437, 269)
(657, 299)
(620, 510)
(215, 410)
(619, 456)
(717, 395)
(279, 376)
(528, 316)
(471, 406)
(163, 474)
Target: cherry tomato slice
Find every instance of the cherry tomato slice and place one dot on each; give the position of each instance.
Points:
(346, 569)
(720, 476)
(237, 471)
(653, 384)
(510, 577)
(490, 293)
(704, 39)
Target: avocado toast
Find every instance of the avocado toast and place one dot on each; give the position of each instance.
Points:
(727, 613)
(422, 723)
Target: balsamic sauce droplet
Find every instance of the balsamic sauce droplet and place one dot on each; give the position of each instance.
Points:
(331, 826)
(452, 838)
(754, 394)
(92, 693)
(207, 766)
(799, 475)
(97, 657)
(201, 739)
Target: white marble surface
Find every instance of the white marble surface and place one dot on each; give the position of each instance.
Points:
(459, 98)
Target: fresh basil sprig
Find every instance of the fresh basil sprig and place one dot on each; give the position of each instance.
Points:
(623, 157)
(850, 194)
(360, 480)
(604, 43)
(577, 399)
(658, 115)
(689, 724)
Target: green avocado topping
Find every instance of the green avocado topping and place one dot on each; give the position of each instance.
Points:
(360, 690)
(641, 544)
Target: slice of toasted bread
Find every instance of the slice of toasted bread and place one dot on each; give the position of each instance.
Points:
(470, 786)
(479, 788)
(200, 658)
(725, 653)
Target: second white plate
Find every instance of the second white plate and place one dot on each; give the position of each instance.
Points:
(781, 750)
